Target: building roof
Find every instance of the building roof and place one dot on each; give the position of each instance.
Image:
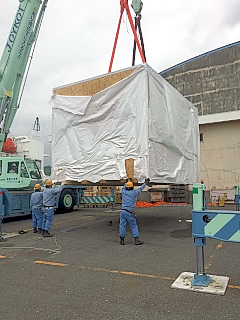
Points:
(199, 57)
(219, 117)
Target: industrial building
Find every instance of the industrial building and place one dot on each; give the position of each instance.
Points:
(211, 81)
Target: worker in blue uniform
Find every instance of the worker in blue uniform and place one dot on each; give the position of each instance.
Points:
(127, 214)
(36, 204)
(48, 204)
(1, 238)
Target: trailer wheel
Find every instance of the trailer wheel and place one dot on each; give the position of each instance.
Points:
(66, 200)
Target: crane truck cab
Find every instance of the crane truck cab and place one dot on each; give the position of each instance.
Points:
(17, 173)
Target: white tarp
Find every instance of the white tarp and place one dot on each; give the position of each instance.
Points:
(140, 117)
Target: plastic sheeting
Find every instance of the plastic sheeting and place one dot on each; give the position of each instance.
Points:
(140, 117)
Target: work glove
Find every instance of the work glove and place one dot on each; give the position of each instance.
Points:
(147, 181)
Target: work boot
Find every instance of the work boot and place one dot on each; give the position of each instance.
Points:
(138, 242)
(47, 234)
(2, 239)
(40, 231)
(35, 230)
(122, 240)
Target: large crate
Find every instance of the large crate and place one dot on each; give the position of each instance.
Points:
(120, 125)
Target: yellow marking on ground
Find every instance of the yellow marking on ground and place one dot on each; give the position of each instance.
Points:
(72, 220)
(233, 286)
(135, 274)
(2, 257)
(57, 223)
(209, 264)
(26, 230)
(219, 246)
(128, 273)
(211, 258)
(168, 278)
(51, 263)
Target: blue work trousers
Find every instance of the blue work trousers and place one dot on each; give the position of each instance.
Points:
(127, 217)
(47, 218)
(37, 218)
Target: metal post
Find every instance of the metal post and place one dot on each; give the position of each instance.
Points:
(2, 208)
(200, 260)
(198, 197)
(200, 278)
(237, 197)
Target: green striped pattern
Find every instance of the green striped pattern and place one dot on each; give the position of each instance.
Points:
(93, 200)
(235, 237)
(217, 223)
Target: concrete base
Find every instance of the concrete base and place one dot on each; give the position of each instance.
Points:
(218, 284)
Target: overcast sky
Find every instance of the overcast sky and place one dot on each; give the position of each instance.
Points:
(76, 40)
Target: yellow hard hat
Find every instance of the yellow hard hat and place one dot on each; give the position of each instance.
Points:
(202, 181)
(129, 184)
(48, 183)
(37, 186)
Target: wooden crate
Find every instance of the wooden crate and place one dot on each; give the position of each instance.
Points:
(91, 191)
(156, 196)
(93, 86)
(118, 199)
(104, 191)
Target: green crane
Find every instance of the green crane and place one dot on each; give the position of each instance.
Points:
(14, 67)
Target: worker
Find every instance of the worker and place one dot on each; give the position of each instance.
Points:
(1, 238)
(48, 204)
(127, 214)
(36, 204)
(14, 168)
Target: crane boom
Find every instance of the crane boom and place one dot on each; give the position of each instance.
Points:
(15, 59)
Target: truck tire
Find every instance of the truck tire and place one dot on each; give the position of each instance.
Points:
(66, 200)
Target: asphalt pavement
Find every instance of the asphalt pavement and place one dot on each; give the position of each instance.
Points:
(83, 272)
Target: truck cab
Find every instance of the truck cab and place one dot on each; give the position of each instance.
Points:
(19, 174)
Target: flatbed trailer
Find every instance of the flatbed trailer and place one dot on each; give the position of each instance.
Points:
(13, 203)
(18, 202)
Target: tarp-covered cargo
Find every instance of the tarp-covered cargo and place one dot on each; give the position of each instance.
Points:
(129, 114)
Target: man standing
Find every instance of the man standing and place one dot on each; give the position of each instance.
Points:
(36, 203)
(1, 238)
(127, 214)
(48, 204)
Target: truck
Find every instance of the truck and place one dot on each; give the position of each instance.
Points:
(19, 175)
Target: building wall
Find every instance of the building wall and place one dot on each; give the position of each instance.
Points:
(220, 154)
(211, 82)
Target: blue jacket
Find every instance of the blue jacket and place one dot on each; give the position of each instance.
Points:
(129, 197)
(36, 201)
(49, 196)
